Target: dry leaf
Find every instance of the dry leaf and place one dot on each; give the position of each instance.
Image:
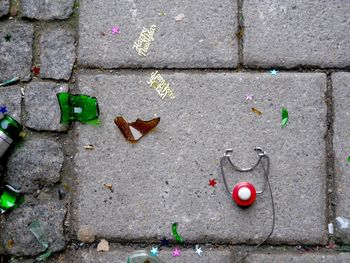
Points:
(135, 130)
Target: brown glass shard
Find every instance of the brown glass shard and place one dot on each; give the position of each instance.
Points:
(135, 130)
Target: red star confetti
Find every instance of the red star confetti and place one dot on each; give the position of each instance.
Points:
(176, 252)
(36, 71)
(212, 182)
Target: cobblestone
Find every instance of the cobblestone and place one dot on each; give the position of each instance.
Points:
(35, 163)
(47, 10)
(179, 158)
(11, 98)
(50, 215)
(16, 40)
(296, 33)
(57, 54)
(4, 7)
(41, 106)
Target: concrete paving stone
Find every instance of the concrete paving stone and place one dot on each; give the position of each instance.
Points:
(119, 254)
(204, 38)
(16, 50)
(4, 7)
(292, 33)
(341, 141)
(57, 54)
(11, 98)
(43, 112)
(164, 177)
(47, 10)
(50, 216)
(37, 162)
(298, 258)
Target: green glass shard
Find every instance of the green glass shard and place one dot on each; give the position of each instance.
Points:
(80, 107)
(39, 233)
(10, 126)
(285, 117)
(9, 81)
(349, 159)
(44, 256)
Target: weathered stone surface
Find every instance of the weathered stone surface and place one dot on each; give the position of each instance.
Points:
(204, 38)
(41, 106)
(291, 33)
(36, 162)
(120, 254)
(164, 177)
(47, 10)
(11, 98)
(16, 53)
(341, 141)
(50, 215)
(298, 258)
(57, 54)
(4, 7)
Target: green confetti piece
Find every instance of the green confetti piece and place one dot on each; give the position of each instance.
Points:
(349, 158)
(177, 237)
(285, 117)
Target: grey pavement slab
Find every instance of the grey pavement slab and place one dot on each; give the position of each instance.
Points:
(47, 10)
(15, 50)
(4, 7)
(42, 111)
(57, 54)
(204, 38)
(119, 254)
(292, 33)
(10, 97)
(341, 140)
(298, 258)
(164, 177)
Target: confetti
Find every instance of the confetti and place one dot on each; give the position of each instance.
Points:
(199, 250)
(154, 251)
(3, 109)
(144, 40)
(179, 17)
(164, 242)
(115, 30)
(135, 130)
(212, 182)
(177, 237)
(8, 37)
(284, 114)
(9, 81)
(256, 111)
(158, 83)
(249, 96)
(176, 252)
(36, 70)
(273, 72)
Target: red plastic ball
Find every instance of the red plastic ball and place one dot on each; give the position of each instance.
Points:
(244, 194)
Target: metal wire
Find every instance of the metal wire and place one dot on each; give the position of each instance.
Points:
(262, 155)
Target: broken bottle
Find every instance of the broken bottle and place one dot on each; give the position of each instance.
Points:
(9, 131)
(80, 107)
(10, 198)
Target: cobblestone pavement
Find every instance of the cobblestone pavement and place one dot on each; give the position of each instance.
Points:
(217, 57)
